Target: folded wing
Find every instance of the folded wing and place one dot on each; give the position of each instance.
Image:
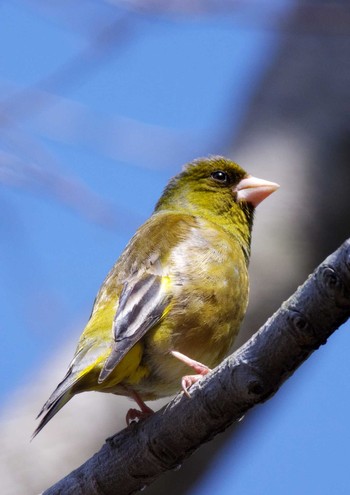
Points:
(143, 303)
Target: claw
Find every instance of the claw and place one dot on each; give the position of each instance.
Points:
(188, 380)
(136, 414)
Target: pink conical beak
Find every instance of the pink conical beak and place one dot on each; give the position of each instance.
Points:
(253, 190)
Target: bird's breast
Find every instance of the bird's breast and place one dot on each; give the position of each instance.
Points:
(209, 292)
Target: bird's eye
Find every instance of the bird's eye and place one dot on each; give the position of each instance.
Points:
(220, 176)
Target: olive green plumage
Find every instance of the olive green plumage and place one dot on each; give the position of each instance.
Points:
(180, 284)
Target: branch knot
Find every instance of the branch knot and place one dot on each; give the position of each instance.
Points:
(334, 286)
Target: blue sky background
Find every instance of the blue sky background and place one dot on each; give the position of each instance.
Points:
(174, 76)
(81, 170)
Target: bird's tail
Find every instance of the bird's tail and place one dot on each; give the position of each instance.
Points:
(86, 360)
(61, 395)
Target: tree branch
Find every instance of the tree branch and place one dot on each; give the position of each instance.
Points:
(136, 456)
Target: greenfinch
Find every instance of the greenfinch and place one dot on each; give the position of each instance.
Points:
(175, 299)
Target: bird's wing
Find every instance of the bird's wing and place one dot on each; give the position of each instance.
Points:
(142, 304)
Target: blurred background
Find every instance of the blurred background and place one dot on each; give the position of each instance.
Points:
(101, 102)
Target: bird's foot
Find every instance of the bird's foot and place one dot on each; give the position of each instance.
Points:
(188, 380)
(137, 414)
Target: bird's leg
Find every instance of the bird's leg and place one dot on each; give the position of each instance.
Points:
(133, 414)
(189, 380)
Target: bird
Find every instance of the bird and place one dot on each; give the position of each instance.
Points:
(174, 301)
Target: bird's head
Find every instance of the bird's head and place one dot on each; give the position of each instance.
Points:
(217, 189)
